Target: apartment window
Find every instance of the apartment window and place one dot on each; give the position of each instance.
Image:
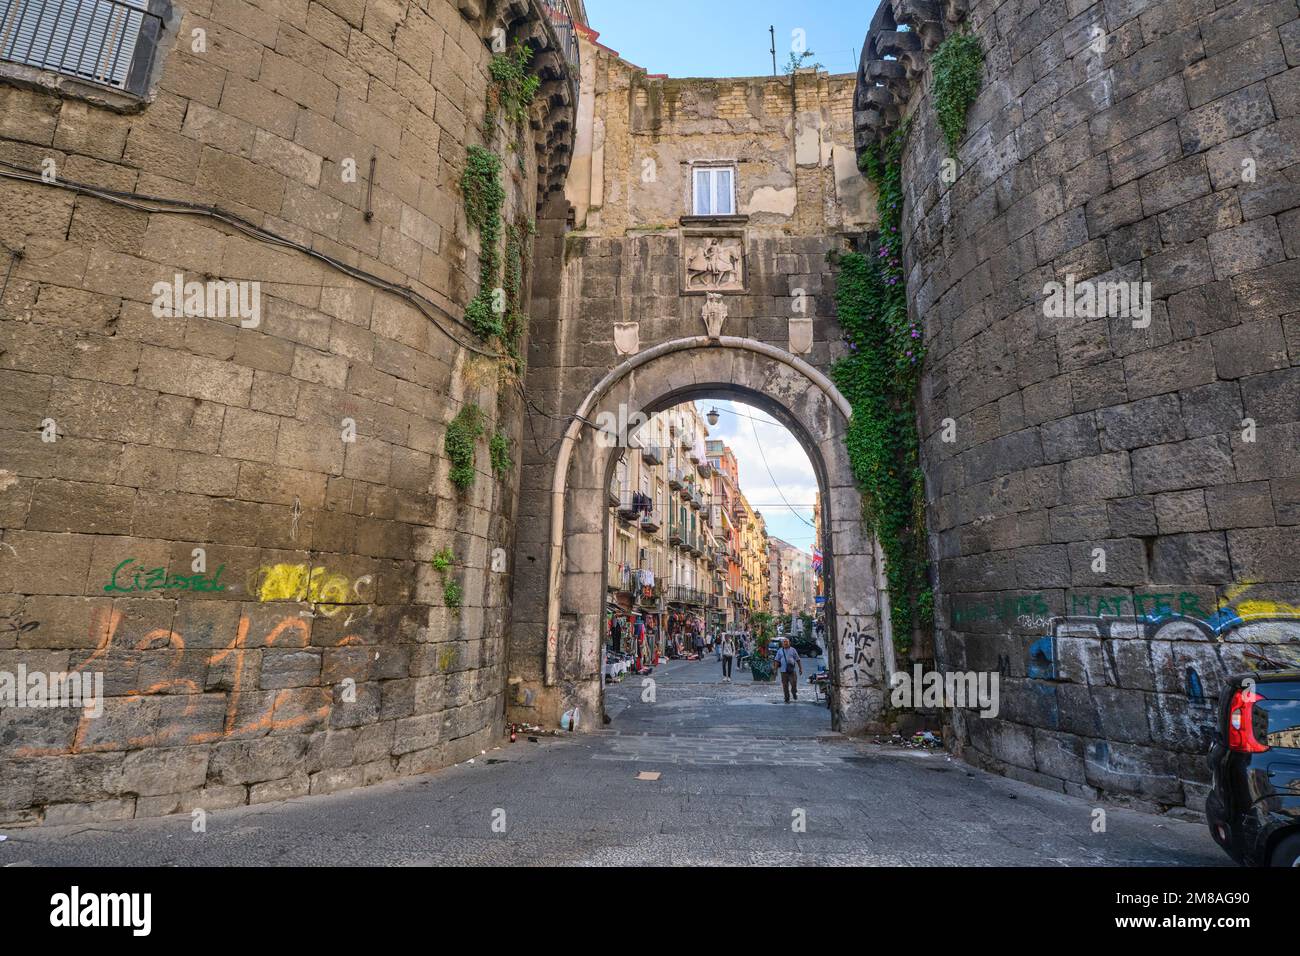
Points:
(111, 43)
(715, 191)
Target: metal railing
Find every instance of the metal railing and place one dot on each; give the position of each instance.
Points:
(561, 18)
(107, 42)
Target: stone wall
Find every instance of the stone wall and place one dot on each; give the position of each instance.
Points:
(232, 523)
(1124, 141)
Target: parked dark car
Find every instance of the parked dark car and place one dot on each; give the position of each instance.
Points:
(1254, 803)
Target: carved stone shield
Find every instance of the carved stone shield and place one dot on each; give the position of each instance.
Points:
(801, 336)
(627, 337)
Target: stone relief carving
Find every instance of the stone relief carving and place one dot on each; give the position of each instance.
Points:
(714, 314)
(714, 264)
(801, 335)
(627, 337)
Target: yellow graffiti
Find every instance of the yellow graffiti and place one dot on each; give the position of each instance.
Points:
(1257, 608)
(329, 593)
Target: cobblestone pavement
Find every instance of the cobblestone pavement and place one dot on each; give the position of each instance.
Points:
(737, 767)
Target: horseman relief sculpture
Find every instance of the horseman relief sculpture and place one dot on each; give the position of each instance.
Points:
(715, 264)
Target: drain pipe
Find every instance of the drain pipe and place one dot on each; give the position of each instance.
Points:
(573, 433)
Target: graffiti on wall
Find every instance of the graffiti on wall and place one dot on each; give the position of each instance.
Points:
(1033, 610)
(129, 577)
(329, 593)
(175, 686)
(858, 645)
(1145, 610)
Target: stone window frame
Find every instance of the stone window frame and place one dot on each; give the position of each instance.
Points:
(160, 28)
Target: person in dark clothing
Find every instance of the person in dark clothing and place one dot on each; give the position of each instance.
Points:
(727, 647)
(787, 660)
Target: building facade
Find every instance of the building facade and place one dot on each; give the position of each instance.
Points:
(666, 559)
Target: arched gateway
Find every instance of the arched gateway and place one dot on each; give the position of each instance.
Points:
(800, 397)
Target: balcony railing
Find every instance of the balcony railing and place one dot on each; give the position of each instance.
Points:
(652, 454)
(562, 21)
(633, 504)
(109, 43)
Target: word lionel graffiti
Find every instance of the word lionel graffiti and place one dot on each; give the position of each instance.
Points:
(330, 593)
(157, 579)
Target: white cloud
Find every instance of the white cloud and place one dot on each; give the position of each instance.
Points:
(773, 466)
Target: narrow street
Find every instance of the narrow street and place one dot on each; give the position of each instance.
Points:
(735, 766)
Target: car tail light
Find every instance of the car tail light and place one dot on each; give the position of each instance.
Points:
(1241, 723)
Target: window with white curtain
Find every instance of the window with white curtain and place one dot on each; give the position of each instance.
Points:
(715, 191)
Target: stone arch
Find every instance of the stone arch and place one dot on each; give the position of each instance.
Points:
(801, 398)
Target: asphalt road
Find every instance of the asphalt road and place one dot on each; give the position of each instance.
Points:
(743, 778)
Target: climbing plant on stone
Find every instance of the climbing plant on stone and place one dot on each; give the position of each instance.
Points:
(484, 196)
(451, 595)
(499, 447)
(515, 322)
(879, 377)
(463, 433)
(512, 88)
(958, 66)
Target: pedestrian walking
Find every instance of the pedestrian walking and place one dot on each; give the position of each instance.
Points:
(787, 659)
(727, 651)
(717, 645)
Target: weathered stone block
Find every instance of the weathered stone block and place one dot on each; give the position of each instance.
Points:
(1182, 511)
(1186, 464)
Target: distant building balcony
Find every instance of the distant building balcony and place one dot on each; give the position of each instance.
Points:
(632, 505)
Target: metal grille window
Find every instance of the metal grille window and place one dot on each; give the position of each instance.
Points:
(107, 42)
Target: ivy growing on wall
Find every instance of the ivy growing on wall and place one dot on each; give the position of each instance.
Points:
(462, 434)
(499, 447)
(879, 377)
(480, 184)
(512, 89)
(496, 311)
(958, 66)
(515, 323)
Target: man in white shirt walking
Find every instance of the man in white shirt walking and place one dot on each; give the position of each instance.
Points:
(787, 660)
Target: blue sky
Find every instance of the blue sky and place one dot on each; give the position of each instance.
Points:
(730, 38)
(764, 451)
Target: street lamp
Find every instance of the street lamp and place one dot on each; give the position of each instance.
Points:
(712, 416)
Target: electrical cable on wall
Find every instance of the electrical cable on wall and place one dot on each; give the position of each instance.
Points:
(161, 205)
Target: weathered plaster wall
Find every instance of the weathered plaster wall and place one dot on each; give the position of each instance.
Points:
(792, 136)
(1108, 144)
(315, 652)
